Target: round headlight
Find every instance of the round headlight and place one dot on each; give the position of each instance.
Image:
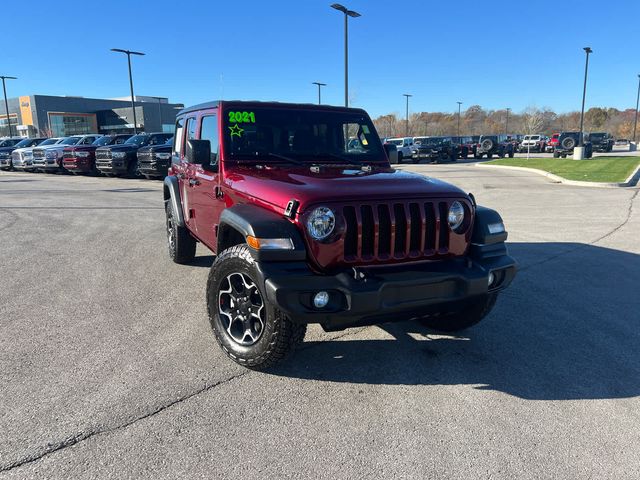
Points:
(456, 215)
(321, 223)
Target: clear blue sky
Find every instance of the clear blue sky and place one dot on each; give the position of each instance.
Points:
(440, 52)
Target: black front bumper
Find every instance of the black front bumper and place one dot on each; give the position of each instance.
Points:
(366, 296)
(153, 168)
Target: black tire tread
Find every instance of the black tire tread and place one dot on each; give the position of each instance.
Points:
(285, 337)
(185, 250)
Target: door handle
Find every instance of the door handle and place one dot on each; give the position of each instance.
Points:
(193, 182)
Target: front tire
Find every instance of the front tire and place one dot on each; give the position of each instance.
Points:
(465, 318)
(399, 157)
(182, 246)
(250, 330)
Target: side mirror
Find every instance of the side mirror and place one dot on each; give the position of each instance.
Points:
(198, 152)
(392, 152)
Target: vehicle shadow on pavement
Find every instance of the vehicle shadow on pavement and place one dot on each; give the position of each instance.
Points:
(567, 328)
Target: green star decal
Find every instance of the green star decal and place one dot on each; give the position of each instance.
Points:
(236, 130)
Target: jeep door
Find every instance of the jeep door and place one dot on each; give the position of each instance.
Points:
(185, 128)
(206, 197)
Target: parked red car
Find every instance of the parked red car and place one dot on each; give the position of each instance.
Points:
(553, 142)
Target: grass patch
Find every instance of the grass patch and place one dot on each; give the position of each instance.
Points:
(596, 169)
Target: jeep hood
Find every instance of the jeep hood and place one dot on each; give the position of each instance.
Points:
(277, 185)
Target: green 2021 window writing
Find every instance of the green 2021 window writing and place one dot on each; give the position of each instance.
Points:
(242, 117)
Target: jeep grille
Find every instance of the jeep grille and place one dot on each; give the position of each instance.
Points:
(383, 232)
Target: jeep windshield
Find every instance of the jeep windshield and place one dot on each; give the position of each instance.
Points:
(273, 135)
(398, 143)
(434, 141)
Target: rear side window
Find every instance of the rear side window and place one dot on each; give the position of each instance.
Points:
(209, 131)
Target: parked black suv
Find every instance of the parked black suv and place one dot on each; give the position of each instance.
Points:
(601, 141)
(566, 143)
(490, 145)
(154, 160)
(434, 149)
(122, 159)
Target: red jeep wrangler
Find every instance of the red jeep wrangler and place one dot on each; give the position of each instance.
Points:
(308, 227)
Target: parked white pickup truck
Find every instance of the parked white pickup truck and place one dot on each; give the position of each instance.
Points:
(403, 144)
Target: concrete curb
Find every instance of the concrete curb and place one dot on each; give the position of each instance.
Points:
(630, 181)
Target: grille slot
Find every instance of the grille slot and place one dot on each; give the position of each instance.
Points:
(368, 230)
(443, 243)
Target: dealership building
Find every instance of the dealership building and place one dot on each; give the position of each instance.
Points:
(45, 115)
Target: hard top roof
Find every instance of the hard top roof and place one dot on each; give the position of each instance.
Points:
(313, 106)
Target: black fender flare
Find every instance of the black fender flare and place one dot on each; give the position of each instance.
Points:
(261, 223)
(171, 192)
(486, 239)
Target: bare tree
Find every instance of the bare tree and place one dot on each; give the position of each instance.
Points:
(532, 120)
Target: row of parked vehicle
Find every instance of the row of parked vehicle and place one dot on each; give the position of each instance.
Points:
(443, 148)
(450, 148)
(146, 154)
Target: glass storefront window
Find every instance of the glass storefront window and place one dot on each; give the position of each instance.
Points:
(64, 124)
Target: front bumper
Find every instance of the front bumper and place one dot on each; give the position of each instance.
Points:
(114, 165)
(154, 168)
(47, 164)
(367, 296)
(78, 164)
(5, 162)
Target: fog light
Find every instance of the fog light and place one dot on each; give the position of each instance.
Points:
(492, 278)
(321, 299)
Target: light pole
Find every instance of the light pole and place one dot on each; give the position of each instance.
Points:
(584, 93)
(406, 131)
(635, 122)
(6, 103)
(320, 85)
(133, 104)
(159, 110)
(506, 126)
(459, 105)
(347, 13)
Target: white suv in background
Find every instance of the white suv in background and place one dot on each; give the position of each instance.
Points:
(533, 143)
(403, 144)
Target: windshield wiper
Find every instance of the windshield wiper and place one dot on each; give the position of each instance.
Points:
(340, 157)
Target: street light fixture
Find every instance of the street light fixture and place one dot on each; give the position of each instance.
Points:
(635, 122)
(133, 105)
(6, 103)
(459, 105)
(319, 86)
(407, 114)
(506, 126)
(347, 13)
(584, 94)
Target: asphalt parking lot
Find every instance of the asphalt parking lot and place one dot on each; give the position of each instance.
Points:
(108, 367)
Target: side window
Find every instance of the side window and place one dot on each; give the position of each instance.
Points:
(191, 130)
(177, 140)
(209, 131)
